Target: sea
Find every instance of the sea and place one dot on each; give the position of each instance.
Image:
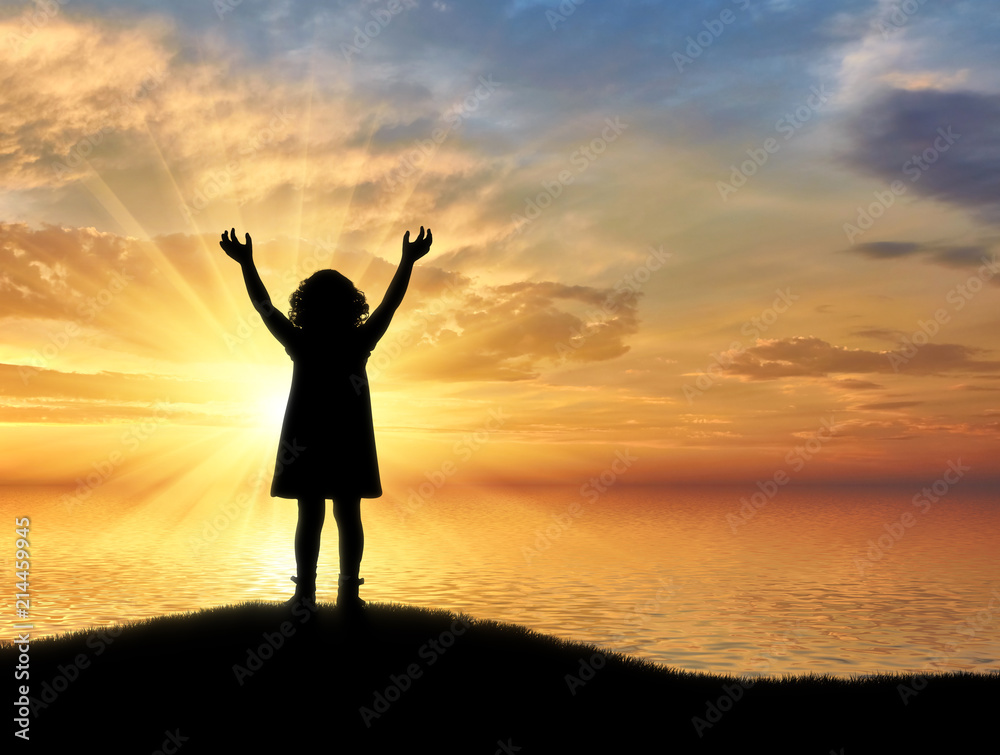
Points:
(846, 580)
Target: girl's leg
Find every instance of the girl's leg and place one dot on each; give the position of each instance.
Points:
(312, 512)
(347, 512)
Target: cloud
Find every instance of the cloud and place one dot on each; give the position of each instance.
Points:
(813, 357)
(47, 396)
(19, 382)
(943, 144)
(856, 385)
(957, 256)
(889, 406)
(50, 273)
(161, 298)
(880, 334)
(73, 90)
(515, 331)
(179, 140)
(909, 428)
(960, 256)
(881, 250)
(177, 298)
(978, 257)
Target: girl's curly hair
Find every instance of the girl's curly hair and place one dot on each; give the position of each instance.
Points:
(326, 298)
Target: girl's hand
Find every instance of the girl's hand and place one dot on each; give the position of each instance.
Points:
(242, 253)
(412, 251)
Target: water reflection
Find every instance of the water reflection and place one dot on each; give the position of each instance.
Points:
(659, 575)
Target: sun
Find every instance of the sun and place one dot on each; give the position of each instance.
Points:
(273, 399)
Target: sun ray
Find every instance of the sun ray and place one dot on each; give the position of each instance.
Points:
(106, 196)
(213, 254)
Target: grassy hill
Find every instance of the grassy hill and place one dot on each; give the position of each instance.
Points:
(256, 677)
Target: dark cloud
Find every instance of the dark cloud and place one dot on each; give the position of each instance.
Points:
(960, 256)
(881, 250)
(977, 257)
(943, 145)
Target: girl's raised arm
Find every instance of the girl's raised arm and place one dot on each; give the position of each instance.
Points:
(375, 326)
(276, 322)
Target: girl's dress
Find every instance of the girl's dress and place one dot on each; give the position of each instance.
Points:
(327, 445)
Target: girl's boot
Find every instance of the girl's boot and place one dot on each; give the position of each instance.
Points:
(347, 592)
(305, 592)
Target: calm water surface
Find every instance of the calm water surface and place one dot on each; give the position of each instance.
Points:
(818, 580)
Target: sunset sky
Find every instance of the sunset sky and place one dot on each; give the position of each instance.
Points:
(727, 238)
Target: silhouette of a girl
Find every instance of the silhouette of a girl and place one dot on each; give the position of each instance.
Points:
(327, 446)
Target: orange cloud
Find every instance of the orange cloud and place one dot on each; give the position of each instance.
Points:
(72, 89)
(101, 323)
(808, 356)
